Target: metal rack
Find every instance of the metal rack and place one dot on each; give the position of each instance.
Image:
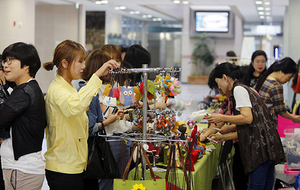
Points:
(145, 70)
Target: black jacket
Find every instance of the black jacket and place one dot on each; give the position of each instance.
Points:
(25, 112)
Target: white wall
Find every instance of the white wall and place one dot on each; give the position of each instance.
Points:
(221, 45)
(22, 13)
(53, 23)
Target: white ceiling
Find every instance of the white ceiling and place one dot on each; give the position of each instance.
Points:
(169, 11)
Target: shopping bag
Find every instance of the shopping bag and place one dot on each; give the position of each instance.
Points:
(101, 163)
(159, 184)
(154, 184)
(171, 184)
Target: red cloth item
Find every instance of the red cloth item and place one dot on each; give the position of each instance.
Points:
(296, 87)
(169, 185)
(193, 136)
(194, 152)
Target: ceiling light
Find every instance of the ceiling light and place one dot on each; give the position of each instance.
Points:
(122, 7)
(267, 3)
(104, 2)
(159, 19)
(268, 13)
(268, 8)
(261, 17)
(261, 13)
(154, 19)
(144, 16)
(149, 16)
(258, 2)
(131, 12)
(98, 2)
(117, 8)
(260, 8)
(176, 1)
(137, 12)
(185, 2)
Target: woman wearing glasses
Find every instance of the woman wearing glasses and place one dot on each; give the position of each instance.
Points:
(23, 115)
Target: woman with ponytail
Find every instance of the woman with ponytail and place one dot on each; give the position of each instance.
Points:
(259, 142)
(270, 88)
(67, 122)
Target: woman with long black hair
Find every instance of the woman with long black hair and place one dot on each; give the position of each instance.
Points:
(269, 86)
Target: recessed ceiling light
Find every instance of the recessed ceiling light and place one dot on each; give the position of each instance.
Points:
(261, 13)
(268, 13)
(104, 1)
(268, 8)
(137, 12)
(131, 12)
(159, 19)
(149, 16)
(122, 7)
(176, 1)
(262, 17)
(258, 2)
(117, 8)
(267, 3)
(98, 2)
(144, 16)
(154, 19)
(260, 8)
(185, 2)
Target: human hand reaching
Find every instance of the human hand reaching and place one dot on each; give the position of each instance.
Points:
(111, 64)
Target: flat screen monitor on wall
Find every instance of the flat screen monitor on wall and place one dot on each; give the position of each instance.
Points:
(215, 23)
(212, 21)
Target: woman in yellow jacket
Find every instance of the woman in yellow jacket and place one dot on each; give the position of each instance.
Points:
(67, 122)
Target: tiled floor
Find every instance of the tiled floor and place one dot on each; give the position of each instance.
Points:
(192, 91)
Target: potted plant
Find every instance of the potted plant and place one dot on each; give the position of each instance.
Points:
(202, 57)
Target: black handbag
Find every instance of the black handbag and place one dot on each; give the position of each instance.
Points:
(101, 163)
(3, 94)
(4, 133)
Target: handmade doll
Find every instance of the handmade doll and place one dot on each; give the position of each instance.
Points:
(198, 115)
(178, 105)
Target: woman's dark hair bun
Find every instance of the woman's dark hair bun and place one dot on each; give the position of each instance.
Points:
(48, 66)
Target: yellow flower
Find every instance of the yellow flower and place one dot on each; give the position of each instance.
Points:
(138, 187)
(222, 98)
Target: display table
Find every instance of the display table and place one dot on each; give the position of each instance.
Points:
(206, 168)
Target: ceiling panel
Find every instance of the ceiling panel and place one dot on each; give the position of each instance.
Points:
(169, 11)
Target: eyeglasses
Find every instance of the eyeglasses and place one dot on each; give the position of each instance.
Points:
(8, 61)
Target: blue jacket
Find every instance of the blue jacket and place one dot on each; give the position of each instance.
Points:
(94, 114)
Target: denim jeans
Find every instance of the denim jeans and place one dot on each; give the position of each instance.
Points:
(262, 178)
(240, 179)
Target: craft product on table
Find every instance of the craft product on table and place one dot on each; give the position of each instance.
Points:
(178, 105)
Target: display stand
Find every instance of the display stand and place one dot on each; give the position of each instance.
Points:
(145, 137)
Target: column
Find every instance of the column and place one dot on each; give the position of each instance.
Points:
(186, 67)
(291, 41)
